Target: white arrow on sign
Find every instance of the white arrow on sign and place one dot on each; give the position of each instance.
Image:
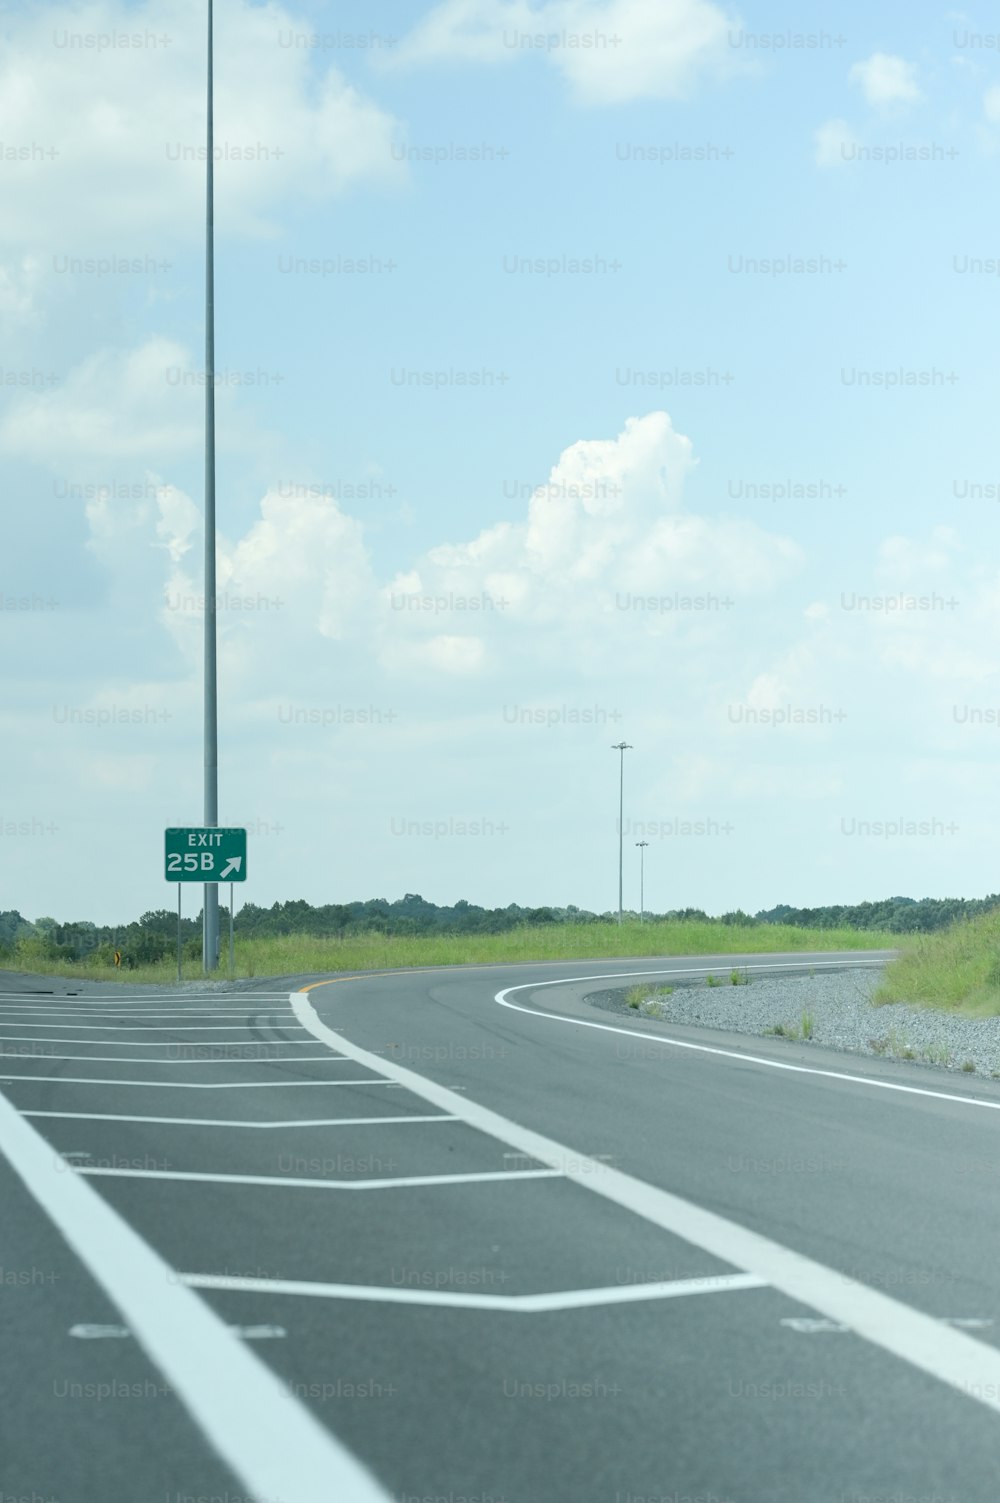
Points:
(232, 865)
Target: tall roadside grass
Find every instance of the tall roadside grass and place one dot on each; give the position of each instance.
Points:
(298, 954)
(956, 969)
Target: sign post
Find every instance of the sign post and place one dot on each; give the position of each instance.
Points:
(208, 854)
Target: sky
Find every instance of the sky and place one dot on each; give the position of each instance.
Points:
(587, 371)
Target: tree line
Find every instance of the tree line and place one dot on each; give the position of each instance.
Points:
(153, 937)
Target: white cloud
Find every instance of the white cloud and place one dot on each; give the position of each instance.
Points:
(18, 283)
(603, 537)
(991, 104)
(135, 403)
(118, 131)
(886, 80)
(609, 51)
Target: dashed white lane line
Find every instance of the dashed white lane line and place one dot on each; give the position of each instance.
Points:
(185, 1085)
(269, 1440)
(960, 1361)
(228, 1122)
(287, 1181)
(515, 1304)
(754, 1059)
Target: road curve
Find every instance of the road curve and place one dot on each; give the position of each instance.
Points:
(456, 1234)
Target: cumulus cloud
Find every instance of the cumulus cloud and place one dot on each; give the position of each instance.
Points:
(143, 403)
(604, 535)
(886, 80)
(609, 51)
(103, 102)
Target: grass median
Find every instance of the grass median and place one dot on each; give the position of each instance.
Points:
(296, 954)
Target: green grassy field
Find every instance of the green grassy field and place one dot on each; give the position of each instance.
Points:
(293, 954)
(956, 969)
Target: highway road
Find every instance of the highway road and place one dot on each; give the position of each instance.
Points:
(456, 1235)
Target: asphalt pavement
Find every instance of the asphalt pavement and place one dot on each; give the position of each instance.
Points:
(458, 1235)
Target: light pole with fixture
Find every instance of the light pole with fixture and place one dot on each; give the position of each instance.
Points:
(621, 747)
(642, 844)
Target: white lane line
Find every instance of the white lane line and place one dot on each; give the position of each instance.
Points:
(413, 1181)
(962, 1362)
(137, 999)
(88, 1332)
(754, 1059)
(184, 1085)
(152, 1028)
(227, 1122)
(516, 1304)
(247, 1413)
(139, 1058)
(90, 1013)
(161, 1044)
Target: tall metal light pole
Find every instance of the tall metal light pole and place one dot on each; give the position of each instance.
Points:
(621, 747)
(210, 908)
(642, 844)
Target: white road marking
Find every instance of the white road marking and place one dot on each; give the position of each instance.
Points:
(965, 1364)
(63, 1013)
(286, 1181)
(137, 999)
(122, 1333)
(184, 1085)
(227, 1122)
(754, 1059)
(517, 1304)
(248, 1415)
(141, 1059)
(152, 1028)
(810, 1327)
(21, 1038)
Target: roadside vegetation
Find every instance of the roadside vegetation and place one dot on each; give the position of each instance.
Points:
(154, 958)
(956, 970)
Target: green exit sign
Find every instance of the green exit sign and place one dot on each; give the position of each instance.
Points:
(206, 853)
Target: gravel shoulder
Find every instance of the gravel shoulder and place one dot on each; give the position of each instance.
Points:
(830, 1008)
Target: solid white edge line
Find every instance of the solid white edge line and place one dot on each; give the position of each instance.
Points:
(514, 1304)
(965, 1364)
(285, 1181)
(270, 1441)
(755, 1059)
